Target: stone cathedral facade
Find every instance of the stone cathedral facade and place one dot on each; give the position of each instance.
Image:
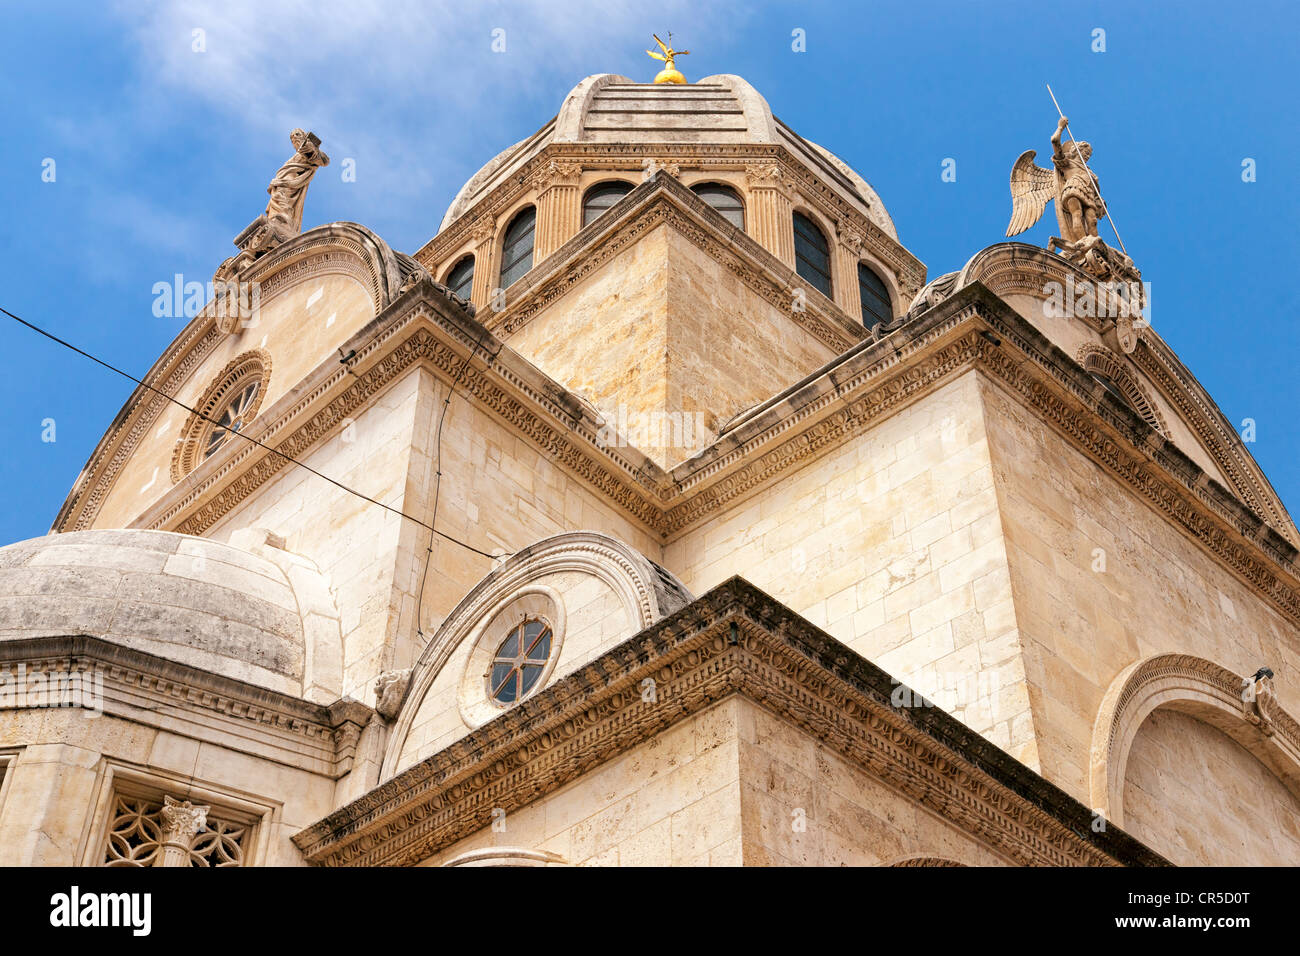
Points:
(752, 546)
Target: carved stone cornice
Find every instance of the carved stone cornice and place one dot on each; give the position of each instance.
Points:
(169, 695)
(1116, 437)
(1212, 429)
(869, 381)
(735, 640)
(558, 172)
(1008, 268)
(419, 335)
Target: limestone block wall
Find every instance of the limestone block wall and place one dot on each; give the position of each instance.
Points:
(499, 494)
(1199, 798)
(668, 345)
(299, 327)
(606, 339)
(801, 804)
(353, 542)
(59, 781)
(1065, 520)
(728, 348)
(893, 543)
(723, 788)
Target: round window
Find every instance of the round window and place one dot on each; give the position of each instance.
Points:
(518, 663)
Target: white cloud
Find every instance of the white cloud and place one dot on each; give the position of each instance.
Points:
(411, 89)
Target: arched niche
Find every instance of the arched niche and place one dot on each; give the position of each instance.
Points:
(1198, 688)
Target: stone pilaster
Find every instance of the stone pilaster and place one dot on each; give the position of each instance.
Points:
(559, 207)
(181, 823)
(769, 220)
(848, 251)
(485, 267)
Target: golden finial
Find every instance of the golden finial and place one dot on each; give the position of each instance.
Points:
(669, 73)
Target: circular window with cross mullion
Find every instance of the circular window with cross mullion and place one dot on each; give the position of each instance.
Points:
(519, 662)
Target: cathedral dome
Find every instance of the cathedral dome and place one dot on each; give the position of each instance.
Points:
(192, 600)
(722, 110)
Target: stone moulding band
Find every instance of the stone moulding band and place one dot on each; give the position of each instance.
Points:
(779, 661)
(143, 687)
(868, 382)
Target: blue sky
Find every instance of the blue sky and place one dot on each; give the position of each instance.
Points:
(162, 154)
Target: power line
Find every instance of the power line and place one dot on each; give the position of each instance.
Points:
(338, 484)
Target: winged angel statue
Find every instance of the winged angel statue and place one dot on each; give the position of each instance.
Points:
(1078, 200)
(1079, 206)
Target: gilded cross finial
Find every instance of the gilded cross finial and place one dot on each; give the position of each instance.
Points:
(669, 74)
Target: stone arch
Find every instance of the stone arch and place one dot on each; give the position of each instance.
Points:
(339, 248)
(345, 248)
(648, 592)
(507, 856)
(1103, 361)
(1196, 687)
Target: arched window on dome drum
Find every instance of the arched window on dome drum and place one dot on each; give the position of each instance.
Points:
(460, 280)
(725, 200)
(517, 247)
(874, 297)
(600, 197)
(812, 255)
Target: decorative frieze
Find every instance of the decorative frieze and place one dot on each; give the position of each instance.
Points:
(734, 640)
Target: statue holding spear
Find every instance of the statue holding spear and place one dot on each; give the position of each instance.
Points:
(1079, 207)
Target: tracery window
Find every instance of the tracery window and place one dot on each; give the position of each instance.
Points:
(874, 297)
(230, 403)
(725, 200)
(460, 280)
(141, 828)
(812, 254)
(600, 197)
(233, 417)
(517, 247)
(519, 662)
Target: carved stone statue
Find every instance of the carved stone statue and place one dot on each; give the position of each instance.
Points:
(283, 217)
(1079, 206)
(289, 187)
